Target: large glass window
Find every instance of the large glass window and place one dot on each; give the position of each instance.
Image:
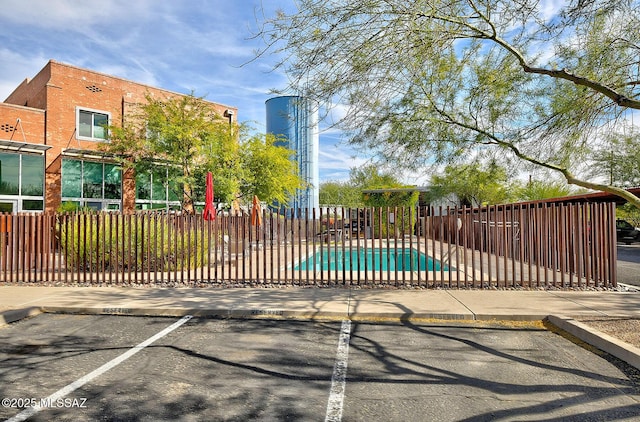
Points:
(22, 181)
(157, 189)
(9, 174)
(92, 124)
(92, 180)
(71, 178)
(112, 181)
(33, 175)
(91, 184)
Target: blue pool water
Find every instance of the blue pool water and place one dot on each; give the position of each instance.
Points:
(371, 259)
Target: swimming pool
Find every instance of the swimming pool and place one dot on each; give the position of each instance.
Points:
(371, 259)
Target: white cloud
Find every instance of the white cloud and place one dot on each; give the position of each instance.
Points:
(16, 68)
(202, 46)
(549, 9)
(59, 14)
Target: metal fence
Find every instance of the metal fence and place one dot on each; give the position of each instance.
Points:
(506, 246)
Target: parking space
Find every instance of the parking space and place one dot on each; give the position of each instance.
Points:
(148, 369)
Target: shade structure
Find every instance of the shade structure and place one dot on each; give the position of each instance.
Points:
(256, 212)
(209, 212)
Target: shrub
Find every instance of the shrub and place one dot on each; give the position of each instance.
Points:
(116, 242)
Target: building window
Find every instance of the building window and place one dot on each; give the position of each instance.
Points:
(91, 184)
(21, 182)
(91, 124)
(157, 189)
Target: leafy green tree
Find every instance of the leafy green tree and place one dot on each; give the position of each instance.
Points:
(541, 189)
(178, 131)
(268, 171)
(434, 80)
(185, 134)
(619, 159)
(471, 185)
(340, 193)
(372, 177)
(630, 213)
(392, 193)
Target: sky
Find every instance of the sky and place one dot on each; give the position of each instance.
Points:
(202, 46)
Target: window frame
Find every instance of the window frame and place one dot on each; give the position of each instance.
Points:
(19, 199)
(149, 204)
(93, 112)
(101, 203)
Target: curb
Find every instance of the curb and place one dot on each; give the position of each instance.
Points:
(618, 348)
(8, 317)
(261, 313)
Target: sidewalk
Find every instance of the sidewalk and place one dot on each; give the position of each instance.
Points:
(18, 302)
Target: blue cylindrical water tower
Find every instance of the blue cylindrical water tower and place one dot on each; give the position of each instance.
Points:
(295, 120)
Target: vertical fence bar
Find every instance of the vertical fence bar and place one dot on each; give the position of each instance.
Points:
(285, 235)
(416, 232)
(537, 239)
(457, 226)
(12, 249)
(579, 235)
(128, 248)
(333, 230)
(148, 243)
(602, 246)
(551, 250)
(41, 234)
(464, 228)
(56, 259)
(596, 232)
(471, 243)
(493, 247)
(44, 254)
(451, 227)
(306, 244)
(314, 231)
(344, 236)
(524, 228)
(587, 215)
(324, 263)
(506, 225)
(5, 229)
(561, 242)
(19, 256)
(278, 234)
(611, 218)
(26, 248)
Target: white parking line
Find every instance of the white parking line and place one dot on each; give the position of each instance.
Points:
(27, 413)
(339, 377)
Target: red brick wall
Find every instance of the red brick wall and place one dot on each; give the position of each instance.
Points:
(30, 129)
(59, 89)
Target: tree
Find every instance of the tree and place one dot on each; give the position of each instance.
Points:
(390, 193)
(443, 81)
(186, 135)
(344, 194)
(542, 189)
(269, 171)
(472, 185)
(620, 163)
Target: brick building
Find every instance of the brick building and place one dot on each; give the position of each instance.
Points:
(50, 127)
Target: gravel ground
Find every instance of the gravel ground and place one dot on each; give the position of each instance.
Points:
(623, 328)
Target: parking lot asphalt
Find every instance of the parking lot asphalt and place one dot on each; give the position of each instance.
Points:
(115, 368)
(559, 307)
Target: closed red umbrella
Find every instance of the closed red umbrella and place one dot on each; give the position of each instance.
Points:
(256, 212)
(209, 212)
